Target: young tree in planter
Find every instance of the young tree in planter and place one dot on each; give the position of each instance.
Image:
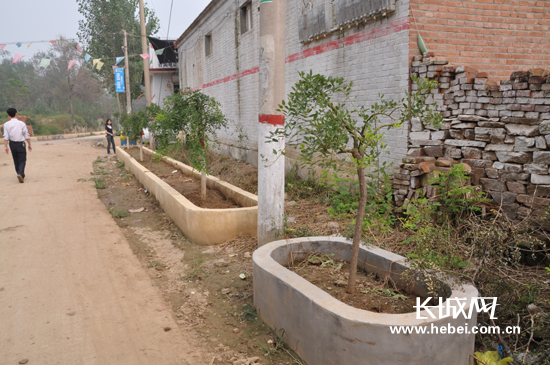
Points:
(135, 123)
(198, 116)
(326, 124)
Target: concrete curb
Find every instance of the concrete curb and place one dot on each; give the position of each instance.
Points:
(53, 137)
(325, 331)
(200, 225)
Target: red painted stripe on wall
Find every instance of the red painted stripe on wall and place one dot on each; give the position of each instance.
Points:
(272, 119)
(376, 32)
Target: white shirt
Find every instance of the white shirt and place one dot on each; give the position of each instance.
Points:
(15, 131)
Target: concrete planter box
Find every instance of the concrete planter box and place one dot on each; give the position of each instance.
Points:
(325, 331)
(200, 225)
(116, 139)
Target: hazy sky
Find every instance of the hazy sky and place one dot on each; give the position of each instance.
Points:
(38, 20)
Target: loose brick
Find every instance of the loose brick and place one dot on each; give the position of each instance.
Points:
(503, 197)
(537, 80)
(493, 185)
(520, 86)
(532, 201)
(516, 187)
(519, 74)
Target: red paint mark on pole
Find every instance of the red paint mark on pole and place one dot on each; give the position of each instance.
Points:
(272, 119)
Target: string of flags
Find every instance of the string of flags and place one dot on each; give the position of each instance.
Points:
(97, 63)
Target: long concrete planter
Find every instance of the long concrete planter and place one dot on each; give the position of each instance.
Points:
(325, 331)
(116, 140)
(53, 137)
(200, 225)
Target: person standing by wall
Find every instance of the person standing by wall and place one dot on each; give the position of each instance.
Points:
(15, 134)
(110, 136)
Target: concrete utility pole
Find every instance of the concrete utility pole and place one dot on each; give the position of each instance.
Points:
(271, 170)
(127, 76)
(144, 49)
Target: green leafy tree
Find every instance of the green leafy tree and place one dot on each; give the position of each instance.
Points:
(68, 99)
(326, 124)
(57, 89)
(101, 33)
(198, 116)
(136, 122)
(15, 81)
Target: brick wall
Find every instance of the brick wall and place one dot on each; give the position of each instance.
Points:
(500, 131)
(496, 36)
(373, 54)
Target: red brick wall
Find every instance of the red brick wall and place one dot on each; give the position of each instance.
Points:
(496, 36)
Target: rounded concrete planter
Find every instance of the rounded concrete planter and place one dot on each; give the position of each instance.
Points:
(325, 331)
(200, 225)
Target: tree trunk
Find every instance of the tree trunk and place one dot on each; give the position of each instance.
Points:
(203, 185)
(358, 229)
(141, 148)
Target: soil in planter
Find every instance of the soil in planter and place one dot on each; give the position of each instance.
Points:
(372, 293)
(188, 186)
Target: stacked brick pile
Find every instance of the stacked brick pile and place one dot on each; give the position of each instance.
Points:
(500, 130)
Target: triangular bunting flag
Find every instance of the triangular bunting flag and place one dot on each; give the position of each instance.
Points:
(118, 59)
(140, 96)
(29, 46)
(145, 56)
(18, 44)
(78, 48)
(45, 62)
(17, 57)
(87, 57)
(100, 65)
(152, 97)
(421, 45)
(96, 61)
(2, 46)
(158, 52)
(71, 64)
(53, 41)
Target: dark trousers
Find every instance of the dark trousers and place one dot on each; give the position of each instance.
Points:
(19, 154)
(110, 141)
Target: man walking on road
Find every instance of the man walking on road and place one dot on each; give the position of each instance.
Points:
(15, 133)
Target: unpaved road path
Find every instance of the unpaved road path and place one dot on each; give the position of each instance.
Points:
(71, 290)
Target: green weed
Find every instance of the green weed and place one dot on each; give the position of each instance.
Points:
(118, 213)
(99, 183)
(388, 293)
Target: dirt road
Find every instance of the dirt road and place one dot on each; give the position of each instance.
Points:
(71, 291)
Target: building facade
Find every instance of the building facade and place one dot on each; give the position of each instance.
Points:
(368, 42)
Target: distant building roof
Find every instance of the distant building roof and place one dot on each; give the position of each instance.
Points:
(169, 55)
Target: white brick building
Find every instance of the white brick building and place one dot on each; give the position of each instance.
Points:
(163, 70)
(219, 53)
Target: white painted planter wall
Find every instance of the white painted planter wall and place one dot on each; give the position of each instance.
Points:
(200, 225)
(325, 331)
